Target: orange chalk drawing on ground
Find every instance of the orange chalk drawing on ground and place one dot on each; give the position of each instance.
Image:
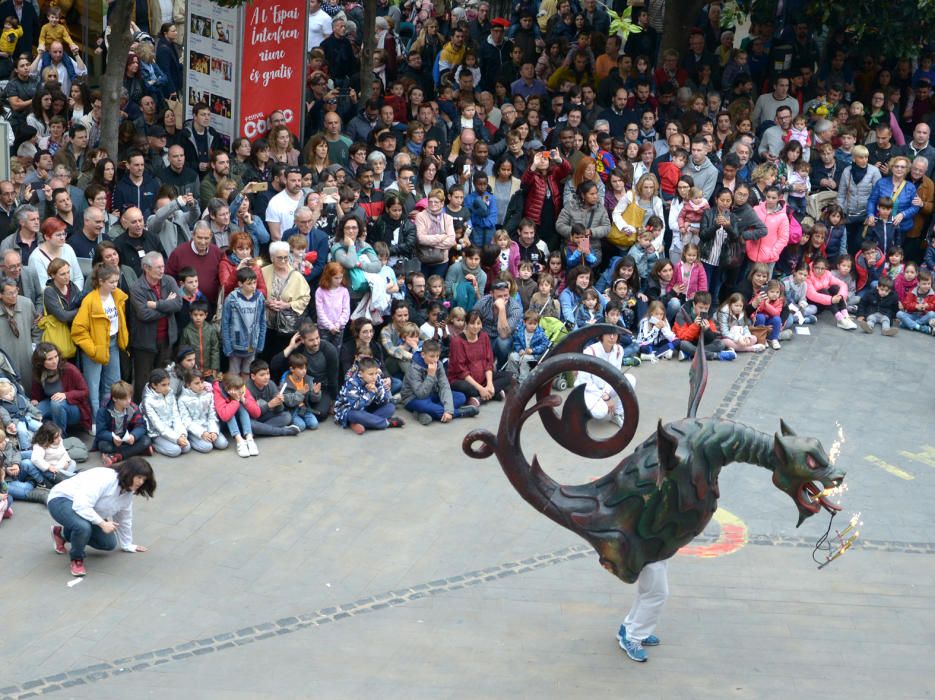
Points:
(733, 536)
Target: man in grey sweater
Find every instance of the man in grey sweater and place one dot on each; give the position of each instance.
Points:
(772, 142)
(700, 167)
(768, 103)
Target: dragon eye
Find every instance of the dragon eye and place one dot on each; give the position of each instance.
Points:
(812, 464)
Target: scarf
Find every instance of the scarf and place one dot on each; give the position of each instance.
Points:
(414, 148)
(857, 173)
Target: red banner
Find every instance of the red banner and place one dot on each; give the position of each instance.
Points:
(271, 78)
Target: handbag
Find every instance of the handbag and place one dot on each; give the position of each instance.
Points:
(733, 253)
(760, 333)
(57, 333)
(283, 321)
(815, 203)
(357, 277)
(633, 215)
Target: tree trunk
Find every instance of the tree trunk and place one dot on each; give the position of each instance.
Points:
(366, 51)
(681, 16)
(112, 80)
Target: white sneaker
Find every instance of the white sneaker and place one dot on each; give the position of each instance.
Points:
(618, 420)
(648, 357)
(242, 449)
(759, 347)
(667, 355)
(850, 323)
(774, 344)
(251, 446)
(846, 324)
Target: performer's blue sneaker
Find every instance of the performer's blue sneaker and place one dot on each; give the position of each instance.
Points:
(633, 648)
(651, 641)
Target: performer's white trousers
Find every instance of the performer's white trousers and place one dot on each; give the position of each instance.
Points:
(652, 589)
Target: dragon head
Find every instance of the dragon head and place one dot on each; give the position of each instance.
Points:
(803, 470)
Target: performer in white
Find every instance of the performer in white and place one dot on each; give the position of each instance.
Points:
(599, 396)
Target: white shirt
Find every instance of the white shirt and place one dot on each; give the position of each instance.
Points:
(280, 210)
(96, 497)
(110, 310)
(39, 263)
(319, 27)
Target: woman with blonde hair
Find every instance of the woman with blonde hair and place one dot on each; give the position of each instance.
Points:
(646, 196)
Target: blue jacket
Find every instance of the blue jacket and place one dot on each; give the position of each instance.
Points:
(904, 206)
(837, 241)
(483, 214)
(106, 423)
(538, 344)
(583, 317)
(243, 324)
(569, 301)
(884, 234)
(127, 195)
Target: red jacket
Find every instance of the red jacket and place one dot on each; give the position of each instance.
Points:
(470, 359)
(535, 184)
(227, 275)
(226, 407)
(860, 267)
(75, 389)
(913, 304)
(770, 309)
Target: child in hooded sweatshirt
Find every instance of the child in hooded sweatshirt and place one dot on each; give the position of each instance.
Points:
(795, 290)
(121, 429)
(161, 411)
(196, 406)
(18, 414)
(843, 273)
(690, 217)
(825, 292)
(427, 393)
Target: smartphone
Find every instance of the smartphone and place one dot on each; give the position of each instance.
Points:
(330, 192)
(259, 186)
(585, 245)
(555, 154)
(703, 316)
(467, 170)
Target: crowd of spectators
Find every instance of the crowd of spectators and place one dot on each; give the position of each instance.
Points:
(510, 178)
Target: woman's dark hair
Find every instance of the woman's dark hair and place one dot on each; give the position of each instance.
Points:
(98, 177)
(791, 146)
(37, 110)
(357, 325)
(46, 433)
(38, 359)
(391, 198)
(339, 229)
(658, 266)
(99, 251)
(585, 187)
(133, 467)
(397, 305)
(473, 316)
(572, 276)
(157, 376)
(628, 261)
(258, 145)
(687, 179)
(771, 188)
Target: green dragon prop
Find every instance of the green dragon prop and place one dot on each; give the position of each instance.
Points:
(660, 497)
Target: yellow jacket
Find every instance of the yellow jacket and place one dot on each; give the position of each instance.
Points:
(91, 328)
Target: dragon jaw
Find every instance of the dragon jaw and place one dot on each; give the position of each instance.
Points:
(802, 470)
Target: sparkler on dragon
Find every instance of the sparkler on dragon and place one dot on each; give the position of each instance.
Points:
(660, 497)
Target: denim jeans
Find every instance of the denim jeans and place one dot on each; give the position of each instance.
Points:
(29, 477)
(774, 322)
(882, 319)
(101, 377)
(25, 429)
(714, 281)
(433, 405)
(79, 532)
(373, 417)
(169, 448)
(502, 347)
(304, 421)
(199, 444)
(914, 320)
(61, 413)
(239, 424)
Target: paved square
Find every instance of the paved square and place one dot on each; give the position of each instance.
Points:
(391, 565)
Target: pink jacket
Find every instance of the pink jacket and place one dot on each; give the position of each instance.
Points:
(333, 307)
(429, 236)
(814, 283)
(697, 280)
(770, 309)
(226, 407)
(769, 248)
(513, 265)
(690, 214)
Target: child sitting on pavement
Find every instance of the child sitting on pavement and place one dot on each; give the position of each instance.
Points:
(17, 413)
(161, 411)
(364, 401)
(49, 455)
(196, 406)
(795, 290)
(879, 306)
(918, 312)
(121, 430)
(693, 320)
(237, 408)
(427, 393)
(529, 345)
(299, 393)
(274, 419)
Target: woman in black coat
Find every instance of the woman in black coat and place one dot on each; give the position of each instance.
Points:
(720, 240)
(394, 229)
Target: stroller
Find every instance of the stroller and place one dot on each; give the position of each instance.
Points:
(556, 330)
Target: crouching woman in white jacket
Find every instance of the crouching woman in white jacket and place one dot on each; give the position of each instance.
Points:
(95, 509)
(600, 398)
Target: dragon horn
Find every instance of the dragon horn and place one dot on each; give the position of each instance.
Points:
(785, 429)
